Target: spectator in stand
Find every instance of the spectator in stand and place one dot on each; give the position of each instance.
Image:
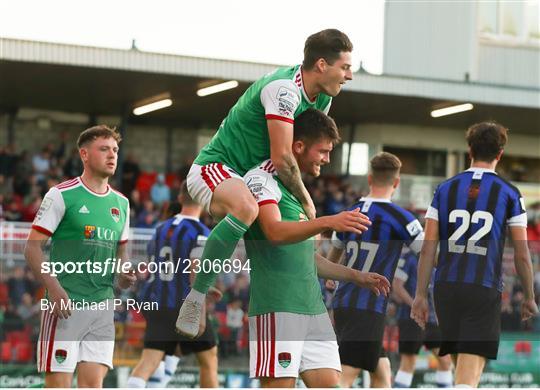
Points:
(23, 172)
(235, 322)
(28, 310)
(73, 165)
(160, 191)
(8, 161)
(130, 174)
(41, 163)
(18, 285)
(5, 186)
(135, 206)
(148, 217)
(12, 320)
(30, 211)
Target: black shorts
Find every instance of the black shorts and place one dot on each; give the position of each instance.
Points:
(469, 318)
(161, 335)
(360, 335)
(412, 337)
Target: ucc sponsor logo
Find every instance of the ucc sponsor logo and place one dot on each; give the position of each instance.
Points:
(92, 232)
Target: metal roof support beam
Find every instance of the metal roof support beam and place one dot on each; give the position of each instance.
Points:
(12, 116)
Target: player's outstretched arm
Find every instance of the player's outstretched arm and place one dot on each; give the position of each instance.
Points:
(33, 253)
(522, 261)
(279, 231)
(420, 307)
(281, 140)
(329, 270)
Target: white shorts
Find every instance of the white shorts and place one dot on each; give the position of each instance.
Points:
(287, 344)
(87, 335)
(202, 180)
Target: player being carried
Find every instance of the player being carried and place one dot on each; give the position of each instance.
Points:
(290, 331)
(87, 221)
(469, 216)
(260, 127)
(358, 313)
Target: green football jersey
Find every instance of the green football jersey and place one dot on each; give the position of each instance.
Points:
(85, 229)
(283, 277)
(242, 139)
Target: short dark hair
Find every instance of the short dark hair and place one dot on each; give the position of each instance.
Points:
(486, 140)
(384, 168)
(184, 197)
(313, 125)
(327, 44)
(95, 132)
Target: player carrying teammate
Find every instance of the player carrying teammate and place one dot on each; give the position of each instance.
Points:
(258, 127)
(88, 222)
(411, 336)
(358, 313)
(469, 216)
(290, 331)
(177, 239)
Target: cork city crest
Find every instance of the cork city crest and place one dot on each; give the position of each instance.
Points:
(115, 214)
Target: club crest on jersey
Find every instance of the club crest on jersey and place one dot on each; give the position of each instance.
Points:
(89, 232)
(115, 214)
(60, 355)
(284, 359)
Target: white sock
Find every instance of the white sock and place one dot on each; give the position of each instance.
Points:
(157, 376)
(463, 386)
(136, 382)
(171, 363)
(403, 379)
(196, 296)
(443, 378)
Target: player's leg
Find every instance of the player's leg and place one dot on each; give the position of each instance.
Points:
(208, 367)
(58, 348)
(233, 202)
(91, 375)
(148, 363)
(382, 375)
(410, 342)
(469, 369)
(348, 375)
(320, 365)
(479, 332)
(58, 379)
(275, 348)
(321, 377)
(222, 192)
(407, 365)
(432, 341)
(443, 375)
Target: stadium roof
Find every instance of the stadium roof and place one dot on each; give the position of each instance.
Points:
(103, 81)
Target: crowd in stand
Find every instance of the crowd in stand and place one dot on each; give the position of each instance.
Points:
(25, 178)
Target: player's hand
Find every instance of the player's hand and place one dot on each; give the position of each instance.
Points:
(420, 311)
(215, 294)
(528, 309)
(310, 210)
(127, 279)
(375, 282)
(349, 221)
(330, 285)
(60, 301)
